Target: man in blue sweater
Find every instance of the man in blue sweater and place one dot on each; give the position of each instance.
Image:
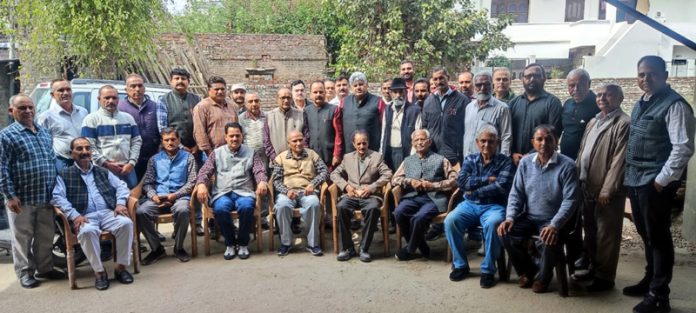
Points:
(541, 202)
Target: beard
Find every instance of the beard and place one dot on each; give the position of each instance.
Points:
(483, 96)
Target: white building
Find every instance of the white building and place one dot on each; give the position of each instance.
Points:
(566, 34)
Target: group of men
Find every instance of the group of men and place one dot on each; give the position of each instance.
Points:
(422, 135)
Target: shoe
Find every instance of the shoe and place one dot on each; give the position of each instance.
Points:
(243, 252)
(27, 281)
(102, 281)
(599, 285)
(161, 237)
(583, 275)
(653, 304)
(315, 251)
(123, 277)
(355, 225)
(295, 226)
(458, 274)
(487, 280)
(365, 257)
(404, 255)
(154, 256)
(525, 281)
(346, 254)
(638, 290)
(182, 255)
(199, 230)
(433, 234)
(50, 275)
(284, 250)
(230, 253)
(539, 287)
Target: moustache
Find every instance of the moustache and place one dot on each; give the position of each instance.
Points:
(84, 156)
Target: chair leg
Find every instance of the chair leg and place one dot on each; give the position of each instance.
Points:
(192, 232)
(503, 270)
(334, 232)
(322, 233)
(385, 236)
(270, 232)
(136, 257)
(70, 258)
(206, 235)
(448, 259)
(259, 234)
(398, 238)
(562, 274)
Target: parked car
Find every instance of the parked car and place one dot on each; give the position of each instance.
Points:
(85, 92)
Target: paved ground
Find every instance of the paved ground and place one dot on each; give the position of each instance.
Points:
(303, 283)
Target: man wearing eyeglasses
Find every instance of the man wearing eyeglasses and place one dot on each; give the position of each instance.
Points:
(486, 109)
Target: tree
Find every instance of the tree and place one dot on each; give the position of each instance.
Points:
(498, 61)
(100, 37)
(375, 35)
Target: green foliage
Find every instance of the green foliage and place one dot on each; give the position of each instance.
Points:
(498, 61)
(101, 37)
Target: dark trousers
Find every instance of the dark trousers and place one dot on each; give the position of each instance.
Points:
(652, 217)
(603, 226)
(413, 215)
(516, 242)
(370, 209)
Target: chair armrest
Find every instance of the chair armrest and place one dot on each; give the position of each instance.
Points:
(396, 192)
(454, 199)
(334, 193)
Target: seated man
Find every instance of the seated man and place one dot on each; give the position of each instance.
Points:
(297, 176)
(94, 199)
(367, 174)
(424, 177)
(167, 184)
(238, 169)
(485, 179)
(541, 202)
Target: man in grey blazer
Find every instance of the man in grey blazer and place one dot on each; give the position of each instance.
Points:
(360, 177)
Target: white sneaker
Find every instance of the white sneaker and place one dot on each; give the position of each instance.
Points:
(243, 252)
(229, 253)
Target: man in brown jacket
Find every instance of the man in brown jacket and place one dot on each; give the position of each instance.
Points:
(600, 165)
(211, 115)
(366, 174)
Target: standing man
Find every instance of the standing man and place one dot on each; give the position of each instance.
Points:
(486, 110)
(531, 109)
(341, 89)
(63, 119)
(297, 176)
(577, 111)
(240, 175)
(298, 94)
(211, 115)
(280, 122)
(421, 91)
(94, 199)
(361, 110)
(114, 136)
(27, 177)
(144, 112)
(466, 85)
(360, 177)
(424, 177)
(501, 85)
(252, 121)
(660, 144)
(400, 120)
(325, 128)
(330, 86)
(600, 166)
(407, 73)
(386, 96)
(238, 95)
(168, 182)
(175, 109)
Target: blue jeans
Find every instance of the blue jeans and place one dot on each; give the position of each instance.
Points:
(310, 210)
(223, 206)
(131, 179)
(466, 215)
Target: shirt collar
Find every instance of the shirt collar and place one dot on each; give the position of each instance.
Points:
(609, 115)
(552, 160)
(449, 92)
(89, 171)
(303, 155)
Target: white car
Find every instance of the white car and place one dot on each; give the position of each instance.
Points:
(85, 92)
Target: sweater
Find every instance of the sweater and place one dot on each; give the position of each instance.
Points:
(113, 136)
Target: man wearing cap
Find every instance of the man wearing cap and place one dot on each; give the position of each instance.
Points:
(401, 118)
(238, 95)
(361, 110)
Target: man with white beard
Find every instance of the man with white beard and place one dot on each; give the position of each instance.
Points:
(486, 110)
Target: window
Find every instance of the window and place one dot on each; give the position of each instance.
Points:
(575, 10)
(517, 8)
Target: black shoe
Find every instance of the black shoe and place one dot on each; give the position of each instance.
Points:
(346, 254)
(182, 255)
(487, 280)
(199, 230)
(653, 304)
(404, 255)
(365, 257)
(102, 282)
(27, 281)
(315, 251)
(638, 290)
(458, 274)
(295, 226)
(161, 237)
(123, 277)
(284, 250)
(433, 233)
(599, 285)
(51, 275)
(154, 256)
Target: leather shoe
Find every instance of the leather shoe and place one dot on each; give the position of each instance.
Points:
(525, 281)
(50, 275)
(459, 274)
(487, 280)
(102, 282)
(123, 277)
(346, 254)
(539, 287)
(404, 255)
(653, 304)
(27, 281)
(599, 285)
(182, 255)
(154, 256)
(638, 290)
(365, 257)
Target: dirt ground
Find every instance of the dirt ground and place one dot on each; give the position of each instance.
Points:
(300, 282)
